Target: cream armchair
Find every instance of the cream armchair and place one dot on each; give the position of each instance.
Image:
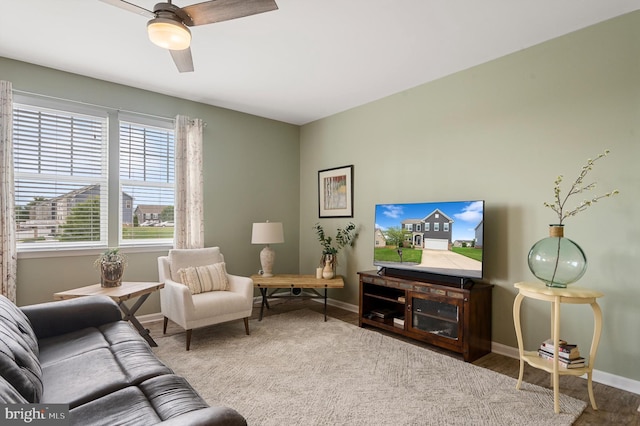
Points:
(190, 311)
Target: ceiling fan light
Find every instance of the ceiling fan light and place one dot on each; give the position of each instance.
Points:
(169, 34)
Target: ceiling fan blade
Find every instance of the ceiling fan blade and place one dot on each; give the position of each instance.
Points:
(130, 7)
(224, 10)
(182, 59)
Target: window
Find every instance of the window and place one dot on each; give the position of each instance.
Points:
(60, 172)
(65, 160)
(147, 183)
(436, 226)
(446, 226)
(427, 226)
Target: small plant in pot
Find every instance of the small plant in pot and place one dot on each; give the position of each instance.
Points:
(111, 265)
(331, 247)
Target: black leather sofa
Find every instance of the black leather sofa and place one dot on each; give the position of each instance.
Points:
(79, 352)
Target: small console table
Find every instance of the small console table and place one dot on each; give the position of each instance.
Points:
(289, 281)
(557, 296)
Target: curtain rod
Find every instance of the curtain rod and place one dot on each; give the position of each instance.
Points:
(24, 92)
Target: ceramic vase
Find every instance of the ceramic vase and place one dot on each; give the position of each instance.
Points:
(556, 260)
(328, 271)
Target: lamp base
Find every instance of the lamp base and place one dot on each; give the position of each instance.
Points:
(267, 259)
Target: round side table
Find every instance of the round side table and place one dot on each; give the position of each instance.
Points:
(557, 296)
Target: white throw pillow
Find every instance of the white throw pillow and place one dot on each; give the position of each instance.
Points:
(205, 278)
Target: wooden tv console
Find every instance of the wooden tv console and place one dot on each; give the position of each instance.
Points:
(450, 317)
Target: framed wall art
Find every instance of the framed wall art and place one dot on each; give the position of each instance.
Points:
(335, 192)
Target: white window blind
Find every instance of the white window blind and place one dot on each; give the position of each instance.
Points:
(60, 165)
(147, 175)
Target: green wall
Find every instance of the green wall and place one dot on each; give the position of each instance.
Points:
(503, 131)
(251, 166)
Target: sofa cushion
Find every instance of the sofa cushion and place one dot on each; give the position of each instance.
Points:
(19, 364)
(154, 400)
(183, 258)
(201, 279)
(138, 362)
(128, 406)
(120, 332)
(81, 378)
(58, 348)
(164, 391)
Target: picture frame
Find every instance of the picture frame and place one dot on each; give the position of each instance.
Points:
(335, 192)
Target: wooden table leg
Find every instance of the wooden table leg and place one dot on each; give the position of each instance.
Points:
(325, 303)
(263, 292)
(516, 320)
(597, 331)
(555, 323)
(129, 315)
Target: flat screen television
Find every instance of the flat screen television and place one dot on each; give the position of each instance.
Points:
(438, 239)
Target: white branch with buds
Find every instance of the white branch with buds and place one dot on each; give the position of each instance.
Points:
(578, 187)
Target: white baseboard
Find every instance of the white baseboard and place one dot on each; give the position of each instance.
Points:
(150, 318)
(340, 304)
(602, 377)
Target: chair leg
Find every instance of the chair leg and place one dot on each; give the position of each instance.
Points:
(164, 327)
(246, 325)
(189, 338)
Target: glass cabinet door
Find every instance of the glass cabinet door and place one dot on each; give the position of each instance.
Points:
(436, 317)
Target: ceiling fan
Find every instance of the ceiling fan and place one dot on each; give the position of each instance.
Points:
(168, 25)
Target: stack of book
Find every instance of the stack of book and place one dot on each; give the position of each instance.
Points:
(568, 354)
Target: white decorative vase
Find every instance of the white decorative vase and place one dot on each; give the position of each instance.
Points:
(327, 271)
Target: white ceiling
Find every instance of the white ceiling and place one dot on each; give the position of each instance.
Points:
(307, 60)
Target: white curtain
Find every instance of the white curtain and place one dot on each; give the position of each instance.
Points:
(189, 215)
(8, 254)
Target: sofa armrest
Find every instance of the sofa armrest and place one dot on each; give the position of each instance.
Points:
(64, 316)
(212, 416)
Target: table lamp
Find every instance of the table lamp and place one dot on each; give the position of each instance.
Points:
(267, 233)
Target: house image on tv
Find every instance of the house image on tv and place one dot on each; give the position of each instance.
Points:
(433, 232)
(379, 238)
(479, 230)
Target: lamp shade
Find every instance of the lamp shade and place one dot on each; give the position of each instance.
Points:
(267, 233)
(169, 34)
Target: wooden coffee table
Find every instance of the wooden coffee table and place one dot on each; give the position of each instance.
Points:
(288, 281)
(128, 290)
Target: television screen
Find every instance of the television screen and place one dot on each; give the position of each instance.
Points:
(444, 238)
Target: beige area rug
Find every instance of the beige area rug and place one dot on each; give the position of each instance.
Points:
(296, 369)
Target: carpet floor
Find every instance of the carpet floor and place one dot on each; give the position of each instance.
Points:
(296, 369)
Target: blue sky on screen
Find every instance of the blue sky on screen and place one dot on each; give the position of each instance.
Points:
(465, 214)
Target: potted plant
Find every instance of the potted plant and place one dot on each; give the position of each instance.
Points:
(331, 247)
(111, 265)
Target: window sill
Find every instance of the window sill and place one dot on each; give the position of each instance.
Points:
(90, 251)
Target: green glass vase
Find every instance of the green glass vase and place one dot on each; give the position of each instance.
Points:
(556, 260)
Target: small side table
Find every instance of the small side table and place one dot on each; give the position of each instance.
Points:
(290, 281)
(557, 296)
(126, 291)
